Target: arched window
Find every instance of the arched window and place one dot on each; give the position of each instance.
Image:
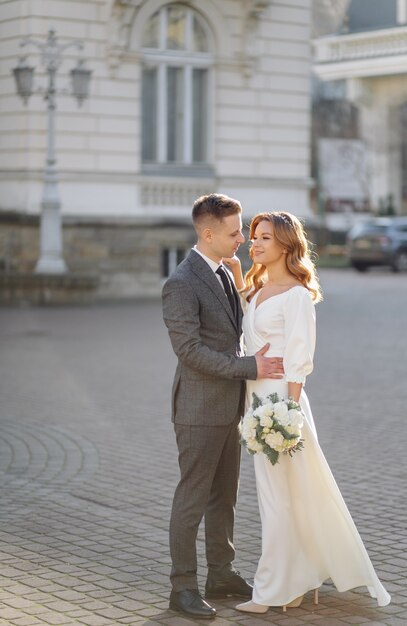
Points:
(177, 58)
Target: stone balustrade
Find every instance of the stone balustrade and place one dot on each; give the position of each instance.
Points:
(172, 192)
(355, 46)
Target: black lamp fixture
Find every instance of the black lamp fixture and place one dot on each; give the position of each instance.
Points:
(80, 80)
(24, 77)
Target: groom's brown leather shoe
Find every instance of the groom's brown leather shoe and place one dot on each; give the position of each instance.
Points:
(189, 602)
(228, 584)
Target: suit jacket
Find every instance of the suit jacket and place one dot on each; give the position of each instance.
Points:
(209, 380)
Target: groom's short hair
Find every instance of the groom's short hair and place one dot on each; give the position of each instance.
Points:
(214, 206)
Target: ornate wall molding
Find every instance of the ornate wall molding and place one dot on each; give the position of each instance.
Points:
(250, 51)
(121, 18)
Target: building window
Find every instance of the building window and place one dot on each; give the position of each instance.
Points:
(177, 60)
(170, 258)
(367, 15)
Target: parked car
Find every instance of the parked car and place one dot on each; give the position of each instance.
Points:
(380, 241)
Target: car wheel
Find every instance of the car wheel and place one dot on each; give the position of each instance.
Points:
(360, 267)
(400, 262)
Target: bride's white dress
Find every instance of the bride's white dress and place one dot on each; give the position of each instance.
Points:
(308, 535)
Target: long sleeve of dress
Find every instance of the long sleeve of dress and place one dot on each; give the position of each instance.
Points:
(299, 325)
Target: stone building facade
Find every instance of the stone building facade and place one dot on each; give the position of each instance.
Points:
(186, 98)
(363, 69)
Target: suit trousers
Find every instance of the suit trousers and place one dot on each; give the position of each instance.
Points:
(209, 461)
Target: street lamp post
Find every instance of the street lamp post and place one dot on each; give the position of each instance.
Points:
(51, 259)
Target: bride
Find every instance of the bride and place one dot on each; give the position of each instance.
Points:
(308, 534)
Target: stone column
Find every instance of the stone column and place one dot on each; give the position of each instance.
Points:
(380, 129)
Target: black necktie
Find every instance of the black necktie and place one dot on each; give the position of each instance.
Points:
(228, 288)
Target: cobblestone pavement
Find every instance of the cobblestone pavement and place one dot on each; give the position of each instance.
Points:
(88, 462)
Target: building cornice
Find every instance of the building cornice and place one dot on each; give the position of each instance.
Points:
(140, 178)
(272, 182)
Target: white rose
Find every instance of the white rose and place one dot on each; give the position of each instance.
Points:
(249, 421)
(295, 418)
(266, 421)
(248, 427)
(252, 422)
(263, 410)
(276, 441)
(289, 443)
(281, 413)
(293, 430)
(254, 445)
(248, 433)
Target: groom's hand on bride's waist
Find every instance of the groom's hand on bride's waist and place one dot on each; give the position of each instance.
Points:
(268, 367)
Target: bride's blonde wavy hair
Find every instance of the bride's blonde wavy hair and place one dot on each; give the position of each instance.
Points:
(289, 233)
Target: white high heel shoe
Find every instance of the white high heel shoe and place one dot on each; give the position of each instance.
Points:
(252, 607)
(294, 604)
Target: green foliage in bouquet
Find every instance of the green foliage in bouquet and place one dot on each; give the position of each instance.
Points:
(272, 426)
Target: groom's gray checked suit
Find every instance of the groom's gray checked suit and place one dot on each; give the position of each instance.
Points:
(207, 402)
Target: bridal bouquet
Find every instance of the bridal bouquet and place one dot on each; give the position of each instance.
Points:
(272, 426)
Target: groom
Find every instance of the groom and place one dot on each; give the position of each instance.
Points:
(203, 315)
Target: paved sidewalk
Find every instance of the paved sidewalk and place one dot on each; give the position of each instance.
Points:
(88, 462)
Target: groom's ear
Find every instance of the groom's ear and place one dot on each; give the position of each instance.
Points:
(207, 234)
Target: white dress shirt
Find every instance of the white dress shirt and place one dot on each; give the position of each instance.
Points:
(212, 264)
